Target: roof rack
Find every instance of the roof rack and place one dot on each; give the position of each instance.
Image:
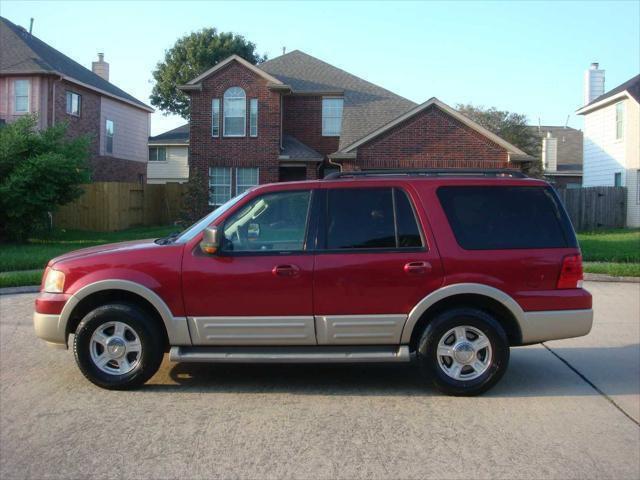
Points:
(429, 172)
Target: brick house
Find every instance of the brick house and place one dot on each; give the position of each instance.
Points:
(37, 79)
(296, 117)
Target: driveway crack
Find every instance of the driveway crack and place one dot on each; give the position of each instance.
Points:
(590, 383)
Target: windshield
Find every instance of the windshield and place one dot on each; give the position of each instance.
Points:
(205, 221)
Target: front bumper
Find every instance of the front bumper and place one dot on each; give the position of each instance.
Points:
(539, 327)
(50, 328)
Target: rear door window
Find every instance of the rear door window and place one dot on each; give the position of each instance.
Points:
(493, 218)
(370, 218)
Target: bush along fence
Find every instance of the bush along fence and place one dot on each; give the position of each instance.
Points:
(111, 206)
(594, 208)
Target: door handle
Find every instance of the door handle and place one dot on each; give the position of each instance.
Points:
(286, 270)
(417, 268)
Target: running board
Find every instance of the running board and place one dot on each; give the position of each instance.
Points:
(317, 354)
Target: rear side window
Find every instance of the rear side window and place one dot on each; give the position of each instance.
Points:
(494, 218)
(370, 218)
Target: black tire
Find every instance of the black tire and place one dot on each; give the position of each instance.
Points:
(150, 337)
(429, 363)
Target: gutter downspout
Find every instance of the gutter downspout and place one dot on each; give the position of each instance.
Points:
(53, 99)
(331, 162)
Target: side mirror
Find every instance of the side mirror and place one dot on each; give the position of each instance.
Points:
(210, 240)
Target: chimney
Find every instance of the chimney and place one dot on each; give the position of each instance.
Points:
(550, 153)
(101, 67)
(593, 83)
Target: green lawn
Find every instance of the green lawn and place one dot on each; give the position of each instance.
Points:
(611, 246)
(38, 251)
(615, 252)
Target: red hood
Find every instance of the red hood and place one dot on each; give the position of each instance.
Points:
(108, 248)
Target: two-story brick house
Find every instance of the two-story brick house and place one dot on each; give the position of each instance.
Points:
(297, 117)
(35, 78)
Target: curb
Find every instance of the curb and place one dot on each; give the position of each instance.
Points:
(16, 290)
(601, 277)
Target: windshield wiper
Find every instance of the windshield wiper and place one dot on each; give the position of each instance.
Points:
(168, 239)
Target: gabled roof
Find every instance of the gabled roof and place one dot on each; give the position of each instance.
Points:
(368, 110)
(23, 53)
(512, 149)
(177, 136)
(630, 88)
(241, 61)
(366, 106)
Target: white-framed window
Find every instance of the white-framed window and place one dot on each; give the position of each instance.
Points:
(253, 117)
(215, 117)
(619, 121)
(246, 178)
(74, 102)
(157, 154)
(332, 116)
(21, 96)
(219, 185)
(109, 130)
(235, 113)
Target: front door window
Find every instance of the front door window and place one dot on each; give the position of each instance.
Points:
(274, 222)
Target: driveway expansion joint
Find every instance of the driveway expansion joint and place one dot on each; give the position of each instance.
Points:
(590, 383)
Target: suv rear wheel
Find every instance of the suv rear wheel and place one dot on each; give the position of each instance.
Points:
(118, 347)
(463, 351)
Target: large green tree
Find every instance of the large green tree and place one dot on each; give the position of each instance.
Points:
(513, 127)
(192, 55)
(39, 170)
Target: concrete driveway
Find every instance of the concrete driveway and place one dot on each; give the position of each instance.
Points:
(568, 409)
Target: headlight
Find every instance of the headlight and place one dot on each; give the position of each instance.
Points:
(54, 281)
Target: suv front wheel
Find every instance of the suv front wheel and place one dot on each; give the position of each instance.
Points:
(463, 351)
(118, 346)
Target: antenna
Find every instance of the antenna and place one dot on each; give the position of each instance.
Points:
(31, 26)
(539, 126)
(284, 50)
(567, 122)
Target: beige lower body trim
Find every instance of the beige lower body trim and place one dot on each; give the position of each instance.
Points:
(49, 328)
(556, 324)
(359, 329)
(292, 330)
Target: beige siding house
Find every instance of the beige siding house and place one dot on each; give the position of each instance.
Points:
(169, 156)
(130, 130)
(612, 143)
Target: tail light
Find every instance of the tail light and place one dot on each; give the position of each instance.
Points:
(570, 272)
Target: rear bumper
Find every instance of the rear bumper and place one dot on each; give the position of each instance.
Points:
(555, 324)
(49, 328)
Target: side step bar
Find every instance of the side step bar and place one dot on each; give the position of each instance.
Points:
(316, 354)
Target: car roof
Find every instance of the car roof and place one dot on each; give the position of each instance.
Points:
(400, 178)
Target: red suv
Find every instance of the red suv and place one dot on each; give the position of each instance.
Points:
(449, 269)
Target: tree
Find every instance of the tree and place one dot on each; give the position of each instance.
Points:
(513, 127)
(190, 56)
(39, 170)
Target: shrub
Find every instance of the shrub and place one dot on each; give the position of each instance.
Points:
(195, 200)
(39, 170)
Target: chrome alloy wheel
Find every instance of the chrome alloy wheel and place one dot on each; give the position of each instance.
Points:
(464, 353)
(115, 348)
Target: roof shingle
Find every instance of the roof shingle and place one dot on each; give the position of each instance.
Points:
(366, 106)
(23, 53)
(178, 135)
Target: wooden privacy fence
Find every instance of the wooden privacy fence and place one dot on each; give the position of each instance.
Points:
(110, 206)
(594, 208)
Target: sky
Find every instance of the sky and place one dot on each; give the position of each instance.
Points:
(525, 57)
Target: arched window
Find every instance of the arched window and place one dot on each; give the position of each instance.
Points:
(235, 113)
